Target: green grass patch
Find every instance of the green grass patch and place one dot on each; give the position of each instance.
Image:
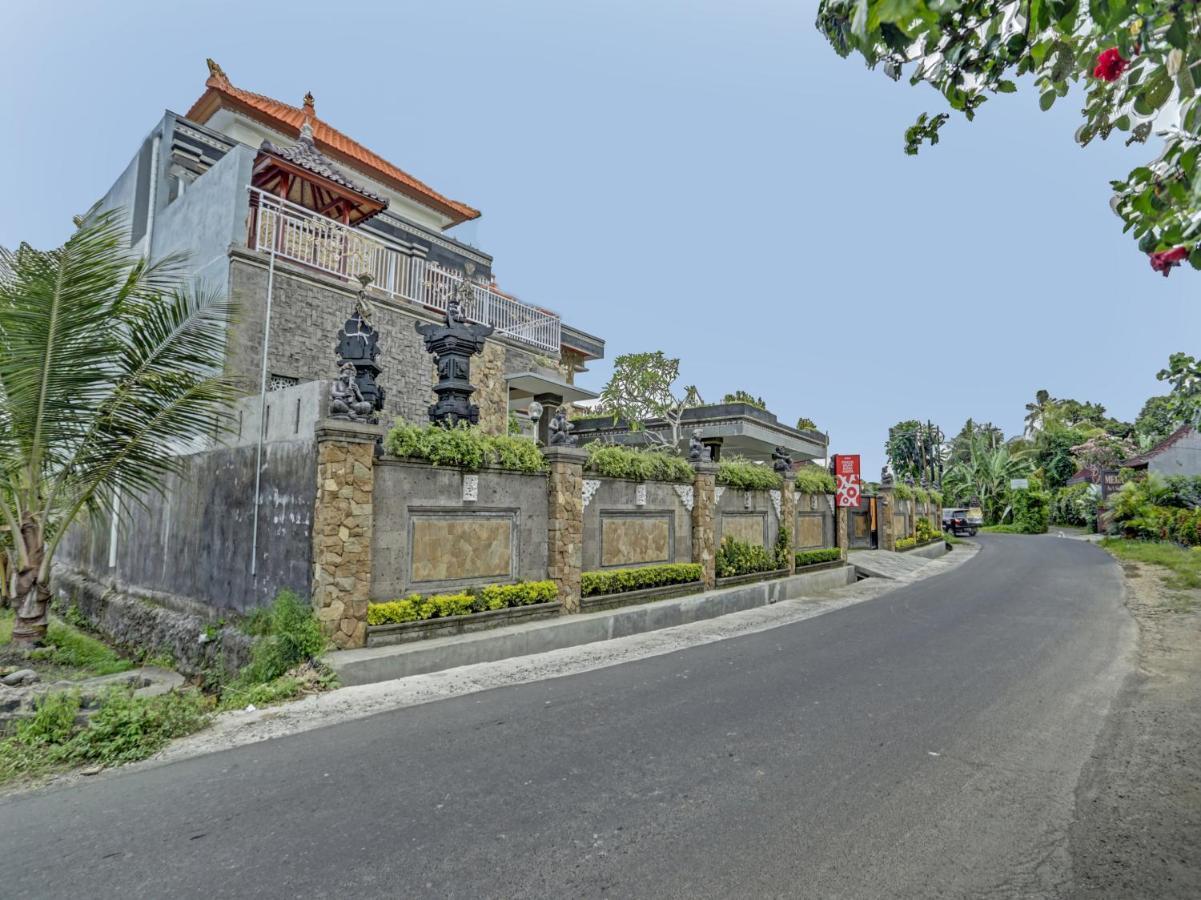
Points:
(1001, 529)
(70, 648)
(1184, 563)
(6, 626)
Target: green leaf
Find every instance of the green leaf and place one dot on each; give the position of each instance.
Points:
(1006, 87)
(1177, 34)
(1046, 101)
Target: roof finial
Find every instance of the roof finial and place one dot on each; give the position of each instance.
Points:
(310, 108)
(215, 70)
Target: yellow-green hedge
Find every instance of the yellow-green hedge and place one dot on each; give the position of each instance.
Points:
(617, 581)
(813, 557)
(415, 608)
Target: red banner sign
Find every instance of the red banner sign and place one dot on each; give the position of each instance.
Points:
(846, 473)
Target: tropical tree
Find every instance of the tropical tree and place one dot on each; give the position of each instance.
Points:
(804, 423)
(643, 387)
(1184, 375)
(985, 476)
(1036, 412)
(108, 368)
(1139, 62)
(1156, 420)
(915, 450)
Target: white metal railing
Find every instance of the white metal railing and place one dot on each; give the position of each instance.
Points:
(305, 237)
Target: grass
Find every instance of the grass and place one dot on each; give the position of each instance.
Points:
(1185, 564)
(69, 653)
(1001, 529)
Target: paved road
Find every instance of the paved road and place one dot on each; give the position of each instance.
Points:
(926, 743)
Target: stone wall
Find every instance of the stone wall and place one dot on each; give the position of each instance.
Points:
(439, 529)
(814, 524)
(307, 310)
(629, 523)
(748, 516)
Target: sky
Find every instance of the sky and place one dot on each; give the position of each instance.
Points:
(704, 178)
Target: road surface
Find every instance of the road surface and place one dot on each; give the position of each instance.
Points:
(925, 743)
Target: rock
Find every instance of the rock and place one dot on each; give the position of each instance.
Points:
(91, 770)
(19, 677)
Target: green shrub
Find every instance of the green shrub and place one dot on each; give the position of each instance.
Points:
(813, 557)
(925, 531)
(936, 498)
(288, 634)
(783, 547)
(902, 492)
(416, 608)
(618, 581)
(745, 475)
(613, 461)
(463, 447)
(737, 558)
(814, 480)
(1074, 504)
(67, 646)
(906, 543)
(1031, 510)
(921, 495)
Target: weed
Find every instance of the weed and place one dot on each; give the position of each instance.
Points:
(1184, 563)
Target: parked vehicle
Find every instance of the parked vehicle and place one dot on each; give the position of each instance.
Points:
(959, 521)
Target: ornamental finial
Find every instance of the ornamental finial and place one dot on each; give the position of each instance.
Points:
(215, 70)
(309, 104)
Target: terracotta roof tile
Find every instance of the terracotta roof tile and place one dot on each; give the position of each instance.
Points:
(283, 117)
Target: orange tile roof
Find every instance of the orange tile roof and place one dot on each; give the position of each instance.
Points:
(288, 119)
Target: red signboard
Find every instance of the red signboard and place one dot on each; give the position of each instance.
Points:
(846, 473)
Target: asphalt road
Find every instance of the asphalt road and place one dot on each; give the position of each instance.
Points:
(926, 743)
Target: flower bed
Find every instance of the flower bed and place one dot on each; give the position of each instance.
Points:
(415, 607)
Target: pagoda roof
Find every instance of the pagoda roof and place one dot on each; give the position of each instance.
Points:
(220, 93)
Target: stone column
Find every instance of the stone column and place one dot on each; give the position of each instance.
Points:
(842, 529)
(342, 528)
(788, 516)
(885, 503)
(704, 521)
(565, 522)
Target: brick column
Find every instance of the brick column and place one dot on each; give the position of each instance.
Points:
(565, 522)
(704, 521)
(885, 503)
(842, 530)
(342, 528)
(788, 516)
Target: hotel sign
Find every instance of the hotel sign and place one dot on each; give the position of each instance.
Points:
(846, 474)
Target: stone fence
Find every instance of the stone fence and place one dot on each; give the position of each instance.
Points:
(898, 516)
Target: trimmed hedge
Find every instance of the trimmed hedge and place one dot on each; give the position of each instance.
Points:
(463, 448)
(737, 558)
(906, 543)
(612, 461)
(747, 476)
(813, 557)
(619, 581)
(902, 492)
(814, 480)
(416, 608)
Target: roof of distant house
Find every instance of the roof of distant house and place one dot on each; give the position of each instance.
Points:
(1084, 476)
(283, 117)
(1144, 458)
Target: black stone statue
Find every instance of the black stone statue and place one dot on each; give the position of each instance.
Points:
(453, 345)
(781, 460)
(697, 452)
(358, 348)
(560, 430)
(885, 477)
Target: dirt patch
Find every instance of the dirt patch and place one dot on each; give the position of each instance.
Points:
(1137, 831)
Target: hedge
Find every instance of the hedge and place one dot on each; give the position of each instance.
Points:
(463, 447)
(415, 608)
(747, 476)
(618, 581)
(906, 543)
(814, 480)
(813, 557)
(612, 461)
(902, 492)
(737, 558)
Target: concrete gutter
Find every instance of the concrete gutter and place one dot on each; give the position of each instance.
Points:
(372, 664)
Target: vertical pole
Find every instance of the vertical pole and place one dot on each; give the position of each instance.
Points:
(258, 458)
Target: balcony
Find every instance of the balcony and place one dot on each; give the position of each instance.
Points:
(302, 236)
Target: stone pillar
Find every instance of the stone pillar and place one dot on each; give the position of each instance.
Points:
(565, 522)
(885, 503)
(788, 516)
(342, 527)
(842, 529)
(704, 521)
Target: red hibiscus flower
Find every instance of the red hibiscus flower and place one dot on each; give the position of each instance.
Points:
(1110, 65)
(1166, 259)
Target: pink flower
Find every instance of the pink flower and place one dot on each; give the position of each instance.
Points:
(1110, 65)
(1166, 259)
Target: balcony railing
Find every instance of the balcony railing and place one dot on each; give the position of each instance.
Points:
(300, 235)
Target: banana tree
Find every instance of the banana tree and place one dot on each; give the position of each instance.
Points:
(109, 367)
(986, 475)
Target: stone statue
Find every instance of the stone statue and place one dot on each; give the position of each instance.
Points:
(345, 399)
(697, 452)
(781, 460)
(560, 430)
(885, 477)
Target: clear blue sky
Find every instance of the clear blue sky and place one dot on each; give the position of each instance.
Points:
(704, 178)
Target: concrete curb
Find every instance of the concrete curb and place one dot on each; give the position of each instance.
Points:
(384, 663)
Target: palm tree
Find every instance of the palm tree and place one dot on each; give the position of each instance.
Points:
(108, 368)
(1036, 412)
(986, 475)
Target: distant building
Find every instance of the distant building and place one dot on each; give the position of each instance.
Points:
(268, 198)
(1178, 454)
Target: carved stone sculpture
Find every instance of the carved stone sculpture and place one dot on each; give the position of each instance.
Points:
(781, 460)
(885, 477)
(560, 430)
(358, 347)
(346, 400)
(697, 452)
(453, 344)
